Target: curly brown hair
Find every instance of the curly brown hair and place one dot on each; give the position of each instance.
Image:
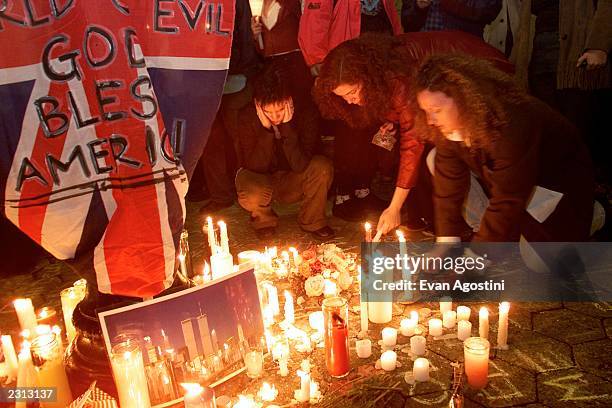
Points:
(369, 60)
(483, 95)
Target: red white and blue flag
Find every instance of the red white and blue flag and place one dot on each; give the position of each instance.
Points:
(105, 107)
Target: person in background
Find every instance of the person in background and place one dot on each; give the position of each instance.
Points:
(276, 36)
(278, 148)
(219, 160)
(569, 67)
(529, 160)
(369, 80)
(324, 25)
(470, 16)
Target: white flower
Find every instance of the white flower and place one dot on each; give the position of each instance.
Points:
(345, 280)
(314, 286)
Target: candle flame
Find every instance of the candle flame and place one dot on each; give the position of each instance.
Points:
(43, 314)
(414, 315)
(181, 257)
(400, 236)
(25, 333)
(221, 223)
(22, 303)
(504, 307)
(367, 226)
(484, 311)
(192, 389)
(268, 392)
(244, 402)
(127, 355)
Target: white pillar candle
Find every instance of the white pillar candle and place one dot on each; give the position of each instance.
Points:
(368, 232)
(483, 323)
(210, 231)
(406, 273)
(26, 376)
(464, 330)
(69, 300)
(407, 327)
(289, 308)
(267, 392)
(502, 328)
(389, 336)
(10, 357)
(449, 319)
(446, 304)
(476, 357)
(223, 236)
(25, 314)
(283, 366)
(388, 360)
(435, 327)
(363, 313)
(316, 321)
(129, 374)
(364, 348)
(420, 369)
(380, 312)
(463, 313)
(305, 365)
(273, 299)
(414, 315)
(295, 256)
(417, 345)
(304, 393)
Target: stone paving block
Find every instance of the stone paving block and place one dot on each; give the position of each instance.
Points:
(595, 357)
(601, 309)
(435, 400)
(508, 386)
(608, 327)
(541, 306)
(536, 353)
(568, 326)
(574, 388)
(518, 318)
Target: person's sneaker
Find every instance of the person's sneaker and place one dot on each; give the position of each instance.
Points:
(213, 206)
(265, 233)
(324, 233)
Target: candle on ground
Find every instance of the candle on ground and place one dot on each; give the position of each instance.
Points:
(273, 299)
(25, 314)
(210, 231)
(502, 328)
(283, 366)
(253, 360)
(420, 369)
(446, 304)
(10, 357)
(407, 327)
(267, 392)
(483, 323)
(47, 353)
(417, 345)
(388, 360)
(463, 313)
(389, 336)
(304, 394)
(449, 319)
(368, 232)
(316, 321)
(414, 315)
(464, 330)
(476, 356)
(435, 327)
(364, 348)
(46, 315)
(289, 308)
(197, 396)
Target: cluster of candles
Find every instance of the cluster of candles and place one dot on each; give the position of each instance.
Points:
(221, 260)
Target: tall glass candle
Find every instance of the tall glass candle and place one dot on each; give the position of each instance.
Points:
(335, 311)
(129, 374)
(483, 323)
(48, 360)
(25, 314)
(289, 308)
(476, 355)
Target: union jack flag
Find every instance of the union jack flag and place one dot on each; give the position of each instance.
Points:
(105, 107)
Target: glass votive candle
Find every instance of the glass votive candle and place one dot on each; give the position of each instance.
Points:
(129, 374)
(476, 355)
(253, 361)
(363, 348)
(463, 313)
(389, 336)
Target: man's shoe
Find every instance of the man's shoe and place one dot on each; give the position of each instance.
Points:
(213, 206)
(324, 233)
(265, 233)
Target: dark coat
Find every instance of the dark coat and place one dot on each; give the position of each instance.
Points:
(539, 147)
(261, 152)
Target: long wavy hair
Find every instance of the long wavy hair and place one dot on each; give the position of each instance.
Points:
(482, 93)
(369, 60)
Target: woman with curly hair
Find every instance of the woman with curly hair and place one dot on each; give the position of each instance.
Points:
(529, 160)
(367, 81)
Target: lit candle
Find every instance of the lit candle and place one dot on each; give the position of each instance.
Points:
(329, 288)
(305, 365)
(420, 369)
(389, 336)
(435, 327)
(449, 319)
(197, 396)
(47, 353)
(337, 359)
(244, 402)
(267, 392)
(414, 315)
(483, 323)
(446, 304)
(464, 329)
(388, 360)
(502, 328)
(463, 313)
(25, 313)
(304, 394)
(46, 315)
(283, 367)
(364, 348)
(417, 345)
(316, 321)
(295, 255)
(289, 309)
(26, 376)
(212, 240)
(476, 355)
(9, 355)
(368, 232)
(128, 370)
(253, 360)
(273, 299)
(223, 236)
(406, 273)
(206, 273)
(407, 327)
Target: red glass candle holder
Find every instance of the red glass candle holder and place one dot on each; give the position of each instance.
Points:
(335, 312)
